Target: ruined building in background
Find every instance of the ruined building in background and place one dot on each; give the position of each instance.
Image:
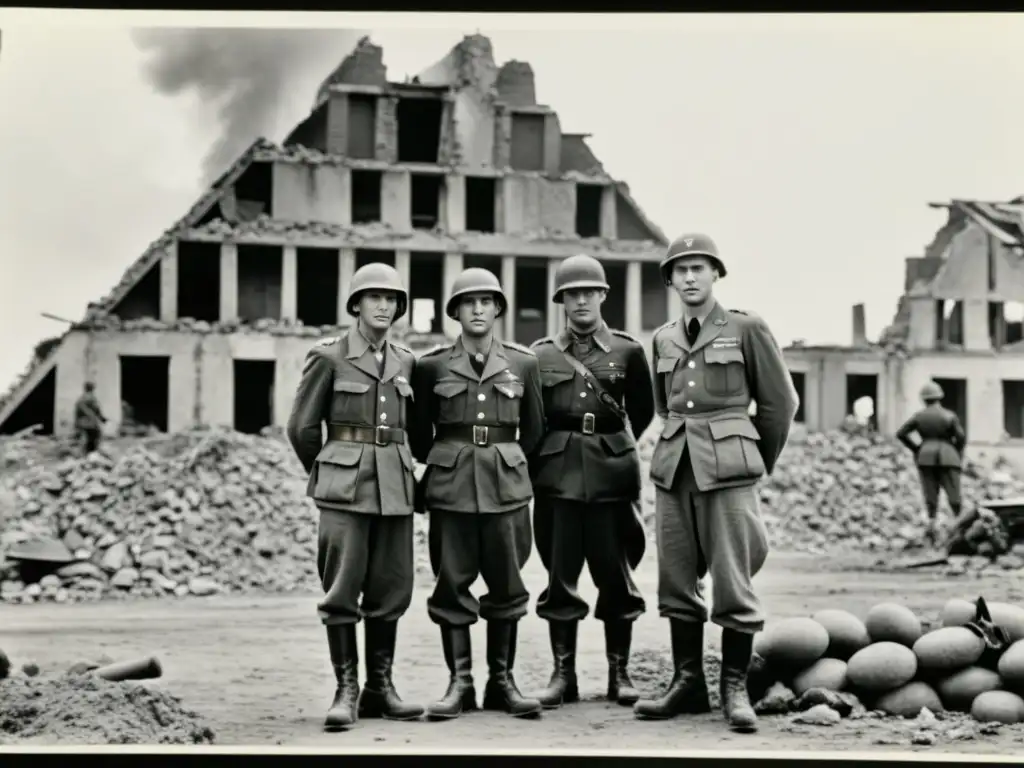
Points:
(459, 167)
(958, 322)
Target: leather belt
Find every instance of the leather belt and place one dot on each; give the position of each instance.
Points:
(347, 433)
(587, 424)
(477, 434)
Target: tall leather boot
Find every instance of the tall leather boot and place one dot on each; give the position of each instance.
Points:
(461, 694)
(343, 712)
(563, 687)
(501, 693)
(618, 637)
(379, 699)
(688, 691)
(736, 650)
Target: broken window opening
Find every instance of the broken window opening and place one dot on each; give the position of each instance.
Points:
(254, 191)
(527, 150)
(654, 302)
(481, 202)
(588, 209)
(613, 311)
(254, 395)
(954, 398)
(36, 410)
(142, 299)
(426, 292)
(199, 281)
(799, 380)
(260, 271)
(366, 206)
(361, 137)
(1013, 408)
(317, 271)
(949, 325)
(366, 256)
(419, 129)
(532, 302)
(425, 200)
(145, 390)
(861, 397)
(311, 132)
(1005, 323)
(990, 266)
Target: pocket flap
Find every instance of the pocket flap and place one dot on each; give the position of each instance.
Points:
(554, 443)
(737, 426)
(668, 431)
(667, 364)
(609, 371)
(511, 389)
(723, 355)
(618, 443)
(553, 378)
(341, 454)
(450, 388)
(511, 453)
(404, 388)
(352, 387)
(445, 454)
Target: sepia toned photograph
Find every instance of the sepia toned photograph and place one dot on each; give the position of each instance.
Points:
(512, 383)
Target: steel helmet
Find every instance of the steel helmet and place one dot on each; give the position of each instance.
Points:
(931, 391)
(376, 276)
(476, 280)
(577, 272)
(694, 244)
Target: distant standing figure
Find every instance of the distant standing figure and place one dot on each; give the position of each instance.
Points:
(89, 418)
(938, 455)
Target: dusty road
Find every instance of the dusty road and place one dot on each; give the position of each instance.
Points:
(258, 666)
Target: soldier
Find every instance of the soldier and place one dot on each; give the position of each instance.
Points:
(362, 482)
(586, 477)
(708, 366)
(937, 455)
(475, 393)
(89, 419)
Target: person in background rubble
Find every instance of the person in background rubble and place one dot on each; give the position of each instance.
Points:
(938, 455)
(708, 365)
(586, 477)
(89, 419)
(471, 396)
(362, 482)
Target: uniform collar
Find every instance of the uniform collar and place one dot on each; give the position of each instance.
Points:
(497, 361)
(602, 337)
(358, 343)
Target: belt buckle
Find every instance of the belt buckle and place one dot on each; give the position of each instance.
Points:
(588, 423)
(378, 435)
(479, 434)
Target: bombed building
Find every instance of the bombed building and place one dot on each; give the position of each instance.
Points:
(456, 167)
(958, 322)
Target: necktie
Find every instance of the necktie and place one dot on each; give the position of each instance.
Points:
(692, 331)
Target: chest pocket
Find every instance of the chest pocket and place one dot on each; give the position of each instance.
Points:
(351, 403)
(508, 396)
(404, 390)
(451, 400)
(724, 371)
(611, 374)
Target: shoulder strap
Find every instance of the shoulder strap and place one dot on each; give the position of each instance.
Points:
(595, 385)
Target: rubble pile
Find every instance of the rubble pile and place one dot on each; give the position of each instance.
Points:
(853, 489)
(199, 513)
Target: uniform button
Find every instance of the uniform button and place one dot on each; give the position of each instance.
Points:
(383, 417)
(692, 383)
(481, 397)
(611, 365)
(383, 399)
(690, 404)
(480, 415)
(583, 394)
(692, 364)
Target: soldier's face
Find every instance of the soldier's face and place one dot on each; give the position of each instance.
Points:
(584, 305)
(377, 309)
(476, 313)
(692, 277)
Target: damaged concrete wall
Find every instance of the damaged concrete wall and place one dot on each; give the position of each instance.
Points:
(534, 204)
(515, 84)
(964, 273)
(313, 193)
(364, 66)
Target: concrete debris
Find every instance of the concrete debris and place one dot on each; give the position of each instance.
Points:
(202, 327)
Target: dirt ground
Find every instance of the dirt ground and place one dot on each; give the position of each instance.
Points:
(257, 667)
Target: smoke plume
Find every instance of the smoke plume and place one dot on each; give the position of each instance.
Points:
(252, 82)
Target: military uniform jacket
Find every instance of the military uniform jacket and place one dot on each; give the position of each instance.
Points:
(598, 467)
(942, 437)
(341, 386)
(703, 393)
(88, 415)
(461, 476)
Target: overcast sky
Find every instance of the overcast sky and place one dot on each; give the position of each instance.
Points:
(808, 147)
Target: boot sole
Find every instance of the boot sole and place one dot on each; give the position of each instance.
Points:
(743, 728)
(572, 698)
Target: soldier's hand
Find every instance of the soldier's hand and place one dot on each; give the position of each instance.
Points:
(418, 470)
